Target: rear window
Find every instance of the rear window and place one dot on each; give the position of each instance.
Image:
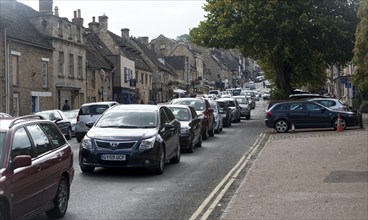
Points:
(93, 109)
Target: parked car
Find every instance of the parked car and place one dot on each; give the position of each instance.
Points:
(204, 111)
(235, 108)
(215, 92)
(225, 112)
(332, 103)
(89, 112)
(3, 114)
(136, 135)
(266, 95)
(305, 114)
(191, 127)
(251, 95)
(59, 119)
(71, 115)
(245, 106)
(218, 116)
(36, 168)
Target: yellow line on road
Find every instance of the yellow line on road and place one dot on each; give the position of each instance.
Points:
(236, 170)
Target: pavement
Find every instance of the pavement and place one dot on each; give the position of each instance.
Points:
(313, 174)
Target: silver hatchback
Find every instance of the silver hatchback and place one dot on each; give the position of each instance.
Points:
(89, 113)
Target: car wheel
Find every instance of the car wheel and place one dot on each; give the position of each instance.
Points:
(342, 122)
(4, 213)
(204, 134)
(191, 146)
(211, 132)
(177, 157)
(247, 117)
(61, 200)
(161, 165)
(69, 135)
(199, 143)
(281, 126)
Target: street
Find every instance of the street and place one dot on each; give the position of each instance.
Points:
(177, 194)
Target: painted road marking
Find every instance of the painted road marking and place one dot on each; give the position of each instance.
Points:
(226, 183)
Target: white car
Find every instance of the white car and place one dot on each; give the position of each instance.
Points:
(218, 117)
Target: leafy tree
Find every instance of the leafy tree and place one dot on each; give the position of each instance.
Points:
(184, 38)
(361, 50)
(294, 41)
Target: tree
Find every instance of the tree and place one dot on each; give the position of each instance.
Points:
(361, 51)
(293, 40)
(184, 38)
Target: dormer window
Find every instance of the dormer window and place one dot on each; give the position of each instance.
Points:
(60, 28)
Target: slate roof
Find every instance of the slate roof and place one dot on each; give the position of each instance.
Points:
(224, 59)
(177, 62)
(96, 51)
(130, 52)
(22, 30)
(154, 58)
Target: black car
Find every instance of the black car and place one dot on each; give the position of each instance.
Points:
(305, 114)
(136, 135)
(60, 120)
(190, 134)
(235, 108)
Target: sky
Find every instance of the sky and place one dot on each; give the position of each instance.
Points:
(144, 18)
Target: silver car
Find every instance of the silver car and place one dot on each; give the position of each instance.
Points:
(89, 113)
(332, 103)
(245, 106)
(218, 117)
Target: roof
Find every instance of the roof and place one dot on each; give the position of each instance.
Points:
(130, 52)
(96, 51)
(20, 29)
(177, 62)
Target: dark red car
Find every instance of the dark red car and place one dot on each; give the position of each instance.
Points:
(204, 111)
(36, 168)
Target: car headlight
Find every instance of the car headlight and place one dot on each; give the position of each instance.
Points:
(147, 144)
(87, 143)
(184, 130)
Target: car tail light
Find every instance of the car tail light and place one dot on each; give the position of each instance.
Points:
(78, 118)
(269, 114)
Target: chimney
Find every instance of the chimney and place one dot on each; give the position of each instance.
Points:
(45, 6)
(78, 20)
(144, 40)
(103, 22)
(94, 26)
(56, 11)
(125, 33)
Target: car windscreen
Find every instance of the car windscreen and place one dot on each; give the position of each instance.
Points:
(2, 147)
(242, 100)
(128, 119)
(92, 109)
(214, 106)
(182, 114)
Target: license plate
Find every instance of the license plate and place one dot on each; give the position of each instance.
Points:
(113, 157)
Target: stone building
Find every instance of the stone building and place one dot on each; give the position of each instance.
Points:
(69, 55)
(26, 63)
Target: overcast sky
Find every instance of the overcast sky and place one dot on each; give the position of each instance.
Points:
(143, 17)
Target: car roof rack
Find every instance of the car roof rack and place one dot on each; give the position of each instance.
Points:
(25, 117)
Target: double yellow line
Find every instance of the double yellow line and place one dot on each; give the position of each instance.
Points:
(207, 207)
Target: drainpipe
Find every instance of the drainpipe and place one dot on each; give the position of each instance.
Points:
(6, 74)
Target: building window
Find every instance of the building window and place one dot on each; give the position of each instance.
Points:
(78, 34)
(146, 79)
(70, 32)
(142, 78)
(80, 67)
(93, 79)
(15, 68)
(61, 63)
(162, 46)
(60, 28)
(71, 65)
(15, 111)
(45, 65)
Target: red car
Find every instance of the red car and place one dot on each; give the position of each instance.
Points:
(204, 111)
(36, 168)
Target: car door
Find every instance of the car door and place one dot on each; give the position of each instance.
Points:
(27, 182)
(317, 116)
(296, 114)
(175, 133)
(61, 122)
(196, 124)
(166, 134)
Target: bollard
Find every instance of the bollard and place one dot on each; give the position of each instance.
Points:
(360, 119)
